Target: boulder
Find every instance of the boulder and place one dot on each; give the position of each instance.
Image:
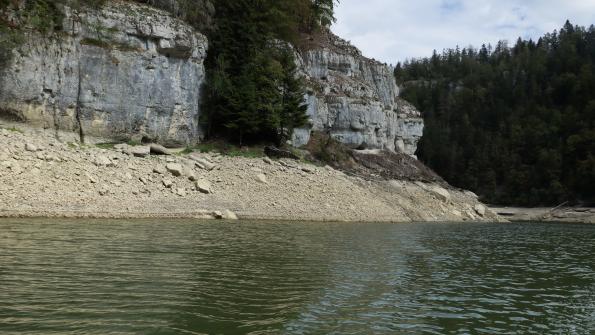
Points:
(181, 192)
(480, 209)
(189, 173)
(140, 151)
(103, 161)
(229, 215)
(202, 162)
(307, 169)
(167, 183)
(159, 170)
(175, 169)
(440, 193)
(261, 178)
(203, 186)
(30, 147)
(268, 160)
(157, 149)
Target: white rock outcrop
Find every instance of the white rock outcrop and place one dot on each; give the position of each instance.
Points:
(356, 99)
(125, 71)
(132, 72)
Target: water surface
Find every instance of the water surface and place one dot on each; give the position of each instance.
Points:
(184, 277)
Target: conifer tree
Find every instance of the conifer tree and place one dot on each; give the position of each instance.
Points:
(516, 124)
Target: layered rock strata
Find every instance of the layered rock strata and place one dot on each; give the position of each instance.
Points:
(356, 99)
(130, 71)
(126, 71)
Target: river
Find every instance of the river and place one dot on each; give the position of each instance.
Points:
(188, 277)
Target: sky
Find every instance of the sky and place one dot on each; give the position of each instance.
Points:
(396, 30)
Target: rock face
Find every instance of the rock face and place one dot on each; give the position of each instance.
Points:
(125, 71)
(356, 99)
(130, 71)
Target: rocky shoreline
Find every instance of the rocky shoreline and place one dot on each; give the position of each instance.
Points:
(547, 214)
(45, 175)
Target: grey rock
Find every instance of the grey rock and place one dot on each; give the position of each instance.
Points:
(189, 173)
(158, 149)
(229, 215)
(356, 99)
(167, 183)
(268, 160)
(307, 169)
(480, 209)
(101, 161)
(261, 178)
(203, 186)
(30, 147)
(440, 193)
(203, 163)
(140, 151)
(141, 82)
(175, 169)
(159, 170)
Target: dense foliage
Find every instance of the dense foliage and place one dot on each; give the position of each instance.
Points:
(253, 90)
(516, 125)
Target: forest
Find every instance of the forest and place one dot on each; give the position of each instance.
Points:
(514, 124)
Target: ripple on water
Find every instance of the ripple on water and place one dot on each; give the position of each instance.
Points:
(177, 277)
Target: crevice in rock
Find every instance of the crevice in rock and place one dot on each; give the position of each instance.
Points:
(78, 101)
(56, 123)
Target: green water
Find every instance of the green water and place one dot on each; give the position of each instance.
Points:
(183, 277)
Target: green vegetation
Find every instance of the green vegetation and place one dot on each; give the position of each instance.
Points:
(326, 149)
(253, 92)
(109, 145)
(95, 42)
(13, 129)
(228, 149)
(516, 125)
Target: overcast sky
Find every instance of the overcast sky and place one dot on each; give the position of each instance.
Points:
(395, 30)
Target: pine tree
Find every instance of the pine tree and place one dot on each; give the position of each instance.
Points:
(516, 125)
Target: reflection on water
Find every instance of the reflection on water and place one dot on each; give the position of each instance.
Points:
(182, 277)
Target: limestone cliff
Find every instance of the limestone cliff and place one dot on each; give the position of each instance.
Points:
(356, 99)
(130, 71)
(125, 71)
